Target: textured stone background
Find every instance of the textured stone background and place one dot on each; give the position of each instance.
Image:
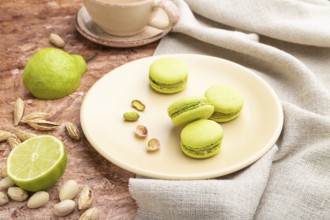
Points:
(25, 26)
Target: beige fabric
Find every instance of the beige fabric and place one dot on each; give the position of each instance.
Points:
(292, 180)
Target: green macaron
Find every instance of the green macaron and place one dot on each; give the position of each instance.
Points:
(201, 139)
(188, 109)
(168, 75)
(227, 101)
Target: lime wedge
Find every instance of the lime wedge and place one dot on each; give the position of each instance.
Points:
(37, 163)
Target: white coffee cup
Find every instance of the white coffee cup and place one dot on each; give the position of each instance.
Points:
(130, 17)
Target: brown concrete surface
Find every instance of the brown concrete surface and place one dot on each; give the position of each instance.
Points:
(25, 26)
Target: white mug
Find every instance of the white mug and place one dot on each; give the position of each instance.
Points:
(130, 17)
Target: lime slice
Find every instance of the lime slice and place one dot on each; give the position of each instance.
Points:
(37, 163)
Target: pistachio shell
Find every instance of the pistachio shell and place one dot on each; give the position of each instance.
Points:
(153, 145)
(141, 131)
(13, 141)
(72, 131)
(86, 198)
(19, 107)
(4, 135)
(89, 214)
(23, 135)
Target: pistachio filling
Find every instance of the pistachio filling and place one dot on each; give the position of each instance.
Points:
(202, 151)
(169, 86)
(187, 107)
(217, 115)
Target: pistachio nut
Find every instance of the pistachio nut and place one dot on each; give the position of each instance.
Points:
(3, 198)
(131, 116)
(69, 190)
(64, 208)
(138, 105)
(38, 199)
(17, 194)
(5, 183)
(3, 172)
(56, 40)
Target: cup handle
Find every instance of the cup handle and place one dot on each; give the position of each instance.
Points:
(171, 11)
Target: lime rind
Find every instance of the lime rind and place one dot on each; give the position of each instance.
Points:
(45, 170)
(53, 73)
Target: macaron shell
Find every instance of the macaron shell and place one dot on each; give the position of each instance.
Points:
(168, 75)
(168, 70)
(168, 89)
(224, 118)
(227, 101)
(188, 109)
(202, 112)
(200, 135)
(191, 154)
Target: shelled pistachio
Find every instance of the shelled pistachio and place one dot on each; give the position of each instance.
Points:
(38, 199)
(64, 208)
(3, 198)
(56, 40)
(138, 105)
(17, 194)
(69, 190)
(5, 183)
(131, 116)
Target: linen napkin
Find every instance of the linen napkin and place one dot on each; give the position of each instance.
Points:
(288, 44)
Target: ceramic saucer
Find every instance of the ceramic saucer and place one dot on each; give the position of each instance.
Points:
(93, 32)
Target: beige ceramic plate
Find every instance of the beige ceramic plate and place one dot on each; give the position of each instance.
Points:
(246, 138)
(93, 32)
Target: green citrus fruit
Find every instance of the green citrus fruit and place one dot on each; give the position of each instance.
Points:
(52, 73)
(37, 163)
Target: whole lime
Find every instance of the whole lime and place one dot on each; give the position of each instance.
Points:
(52, 73)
